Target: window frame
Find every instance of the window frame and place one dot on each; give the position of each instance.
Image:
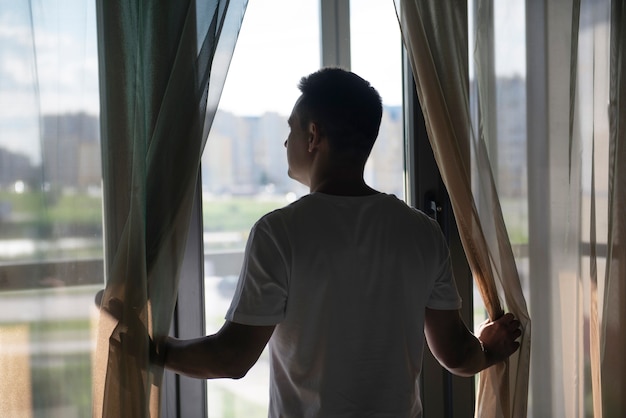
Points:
(537, 131)
(445, 395)
(184, 396)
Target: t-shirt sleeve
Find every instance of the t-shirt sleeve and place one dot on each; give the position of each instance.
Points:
(261, 294)
(444, 294)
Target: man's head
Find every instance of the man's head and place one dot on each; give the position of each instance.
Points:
(346, 109)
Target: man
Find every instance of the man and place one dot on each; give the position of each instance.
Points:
(343, 283)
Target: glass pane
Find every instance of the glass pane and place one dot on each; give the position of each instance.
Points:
(50, 206)
(376, 55)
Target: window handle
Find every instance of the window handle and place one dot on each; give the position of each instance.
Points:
(431, 207)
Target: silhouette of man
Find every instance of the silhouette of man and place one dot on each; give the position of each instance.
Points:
(344, 283)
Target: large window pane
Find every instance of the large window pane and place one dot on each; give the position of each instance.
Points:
(50, 206)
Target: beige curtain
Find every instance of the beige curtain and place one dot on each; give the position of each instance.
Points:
(435, 35)
(162, 67)
(566, 218)
(613, 331)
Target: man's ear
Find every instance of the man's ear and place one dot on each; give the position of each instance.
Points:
(315, 137)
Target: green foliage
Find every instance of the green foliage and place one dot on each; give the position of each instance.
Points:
(21, 202)
(72, 211)
(62, 382)
(515, 213)
(79, 209)
(40, 214)
(47, 328)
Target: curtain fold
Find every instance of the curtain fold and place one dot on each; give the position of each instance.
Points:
(162, 68)
(613, 332)
(435, 36)
(585, 374)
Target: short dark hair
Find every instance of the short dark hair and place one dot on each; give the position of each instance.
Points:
(346, 109)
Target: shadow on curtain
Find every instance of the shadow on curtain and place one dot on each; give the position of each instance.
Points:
(162, 68)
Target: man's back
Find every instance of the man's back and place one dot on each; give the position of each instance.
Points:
(349, 279)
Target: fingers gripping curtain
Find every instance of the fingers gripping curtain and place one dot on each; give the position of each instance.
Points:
(162, 67)
(435, 36)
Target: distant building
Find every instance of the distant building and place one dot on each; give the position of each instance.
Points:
(246, 155)
(227, 161)
(270, 153)
(15, 167)
(71, 150)
(507, 151)
(511, 134)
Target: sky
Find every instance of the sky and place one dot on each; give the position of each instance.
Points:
(279, 41)
(59, 51)
(52, 65)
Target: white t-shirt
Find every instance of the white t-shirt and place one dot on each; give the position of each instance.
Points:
(346, 280)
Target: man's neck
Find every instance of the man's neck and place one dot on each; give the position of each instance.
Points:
(338, 177)
(343, 187)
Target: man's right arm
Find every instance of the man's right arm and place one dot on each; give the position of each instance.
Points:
(463, 353)
(230, 353)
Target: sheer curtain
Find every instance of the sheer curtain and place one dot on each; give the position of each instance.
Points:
(162, 67)
(569, 207)
(613, 327)
(435, 35)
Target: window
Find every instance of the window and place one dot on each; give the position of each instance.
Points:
(50, 207)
